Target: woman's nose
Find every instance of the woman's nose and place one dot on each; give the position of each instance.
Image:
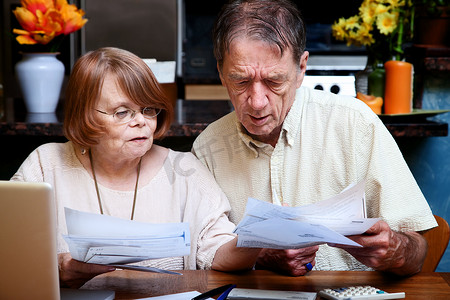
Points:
(138, 119)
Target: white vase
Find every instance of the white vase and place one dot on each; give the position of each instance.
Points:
(40, 77)
(41, 118)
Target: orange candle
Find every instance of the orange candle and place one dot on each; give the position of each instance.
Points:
(398, 88)
(375, 103)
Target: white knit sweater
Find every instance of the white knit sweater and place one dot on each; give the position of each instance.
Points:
(182, 191)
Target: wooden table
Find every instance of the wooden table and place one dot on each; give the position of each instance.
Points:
(135, 285)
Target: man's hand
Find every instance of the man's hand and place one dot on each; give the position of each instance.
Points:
(401, 253)
(74, 274)
(292, 261)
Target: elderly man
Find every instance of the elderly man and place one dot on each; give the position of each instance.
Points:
(304, 145)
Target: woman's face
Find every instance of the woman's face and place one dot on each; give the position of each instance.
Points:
(122, 141)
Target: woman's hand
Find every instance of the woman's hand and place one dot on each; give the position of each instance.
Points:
(74, 273)
(230, 258)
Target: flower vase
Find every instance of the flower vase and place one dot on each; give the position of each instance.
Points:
(362, 79)
(40, 76)
(376, 81)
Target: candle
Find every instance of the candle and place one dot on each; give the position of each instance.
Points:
(398, 88)
(375, 103)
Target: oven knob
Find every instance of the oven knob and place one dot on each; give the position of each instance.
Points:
(318, 87)
(335, 89)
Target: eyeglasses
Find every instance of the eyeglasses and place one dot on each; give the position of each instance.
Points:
(125, 115)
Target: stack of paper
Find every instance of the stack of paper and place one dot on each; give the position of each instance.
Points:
(102, 239)
(266, 225)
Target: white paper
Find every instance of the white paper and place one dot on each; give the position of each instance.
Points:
(239, 293)
(288, 234)
(267, 225)
(102, 239)
(179, 296)
(164, 71)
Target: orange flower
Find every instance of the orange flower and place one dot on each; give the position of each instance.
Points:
(24, 37)
(43, 20)
(72, 16)
(35, 5)
(26, 18)
(50, 22)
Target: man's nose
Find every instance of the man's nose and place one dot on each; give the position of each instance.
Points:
(257, 96)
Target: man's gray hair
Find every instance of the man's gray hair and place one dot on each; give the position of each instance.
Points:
(277, 22)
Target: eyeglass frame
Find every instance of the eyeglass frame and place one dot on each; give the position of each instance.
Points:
(133, 114)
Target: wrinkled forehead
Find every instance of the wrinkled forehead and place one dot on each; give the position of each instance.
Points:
(245, 34)
(243, 48)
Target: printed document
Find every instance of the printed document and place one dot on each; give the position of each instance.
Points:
(267, 225)
(178, 296)
(102, 239)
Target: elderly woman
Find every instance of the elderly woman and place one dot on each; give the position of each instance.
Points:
(114, 110)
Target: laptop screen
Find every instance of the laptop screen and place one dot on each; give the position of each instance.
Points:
(28, 256)
(28, 236)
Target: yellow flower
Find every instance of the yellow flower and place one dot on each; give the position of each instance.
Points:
(368, 11)
(395, 3)
(381, 9)
(43, 20)
(352, 23)
(338, 29)
(379, 23)
(387, 22)
(365, 36)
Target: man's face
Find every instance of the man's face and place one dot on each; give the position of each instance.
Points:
(261, 84)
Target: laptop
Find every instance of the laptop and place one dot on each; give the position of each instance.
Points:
(28, 257)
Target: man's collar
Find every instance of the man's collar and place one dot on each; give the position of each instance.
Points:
(292, 122)
(288, 133)
(251, 143)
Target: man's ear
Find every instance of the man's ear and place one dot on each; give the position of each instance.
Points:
(220, 74)
(304, 61)
(302, 68)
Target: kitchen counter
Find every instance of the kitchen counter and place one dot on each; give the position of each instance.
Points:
(191, 118)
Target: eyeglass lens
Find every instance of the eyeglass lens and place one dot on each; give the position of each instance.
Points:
(126, 115)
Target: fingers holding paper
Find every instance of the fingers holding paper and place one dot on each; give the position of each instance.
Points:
(289, 261)
(74, 273)
(379, 246)
(383, 249)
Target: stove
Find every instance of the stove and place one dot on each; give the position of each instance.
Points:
(342, 85)
(334, 73)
